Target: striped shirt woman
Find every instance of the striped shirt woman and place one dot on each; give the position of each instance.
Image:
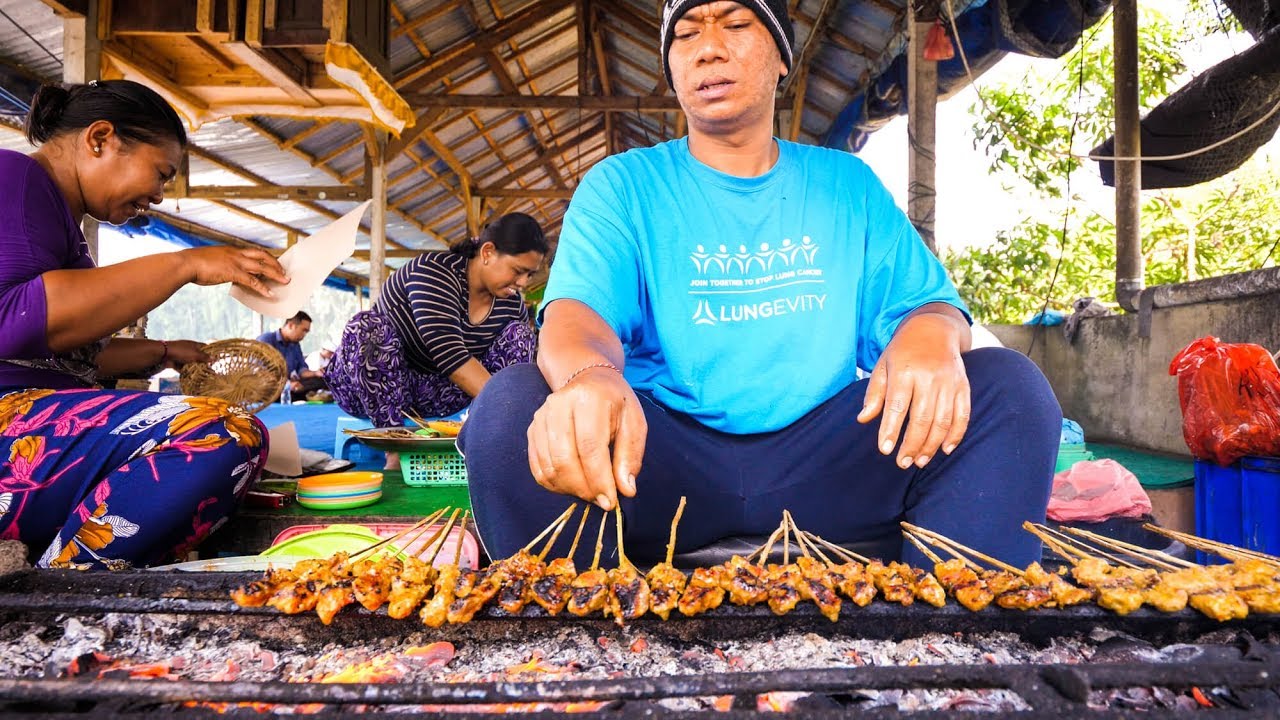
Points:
(445, 322)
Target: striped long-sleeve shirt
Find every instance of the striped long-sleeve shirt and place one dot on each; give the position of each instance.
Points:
(428, 299)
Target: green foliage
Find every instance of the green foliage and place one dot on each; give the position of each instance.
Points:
(1224, 226)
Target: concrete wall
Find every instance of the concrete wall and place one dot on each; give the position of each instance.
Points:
(1117, 384)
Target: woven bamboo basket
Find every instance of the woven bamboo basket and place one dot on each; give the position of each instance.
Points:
(245, 373)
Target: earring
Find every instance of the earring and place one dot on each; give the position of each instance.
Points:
(97, 150)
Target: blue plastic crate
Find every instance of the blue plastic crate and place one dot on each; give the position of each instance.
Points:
(1239, 504)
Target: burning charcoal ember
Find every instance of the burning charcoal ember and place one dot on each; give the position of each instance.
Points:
(703, 592)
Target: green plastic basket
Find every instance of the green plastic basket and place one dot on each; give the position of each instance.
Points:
(433, 468)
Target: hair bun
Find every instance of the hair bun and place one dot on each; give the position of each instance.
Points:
(47, 106)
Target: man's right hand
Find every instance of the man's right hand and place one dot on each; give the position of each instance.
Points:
(246, 267)
(571, 437)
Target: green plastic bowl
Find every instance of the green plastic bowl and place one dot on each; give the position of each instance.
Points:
(324, 543)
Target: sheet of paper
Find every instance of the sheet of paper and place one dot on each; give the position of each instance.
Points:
(307, 264)
(284, 456)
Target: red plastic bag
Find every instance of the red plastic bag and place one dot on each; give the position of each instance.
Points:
(1094, 490)
(1230, 397)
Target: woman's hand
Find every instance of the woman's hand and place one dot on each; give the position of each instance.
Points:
(920, 380)
(571, 435)
(181, 352)
(246, 267)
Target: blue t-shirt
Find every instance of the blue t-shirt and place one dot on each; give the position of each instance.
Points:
(744, 302)
(294, 361)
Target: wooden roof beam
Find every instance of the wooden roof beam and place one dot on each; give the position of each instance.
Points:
(524, 193)
(417, 21)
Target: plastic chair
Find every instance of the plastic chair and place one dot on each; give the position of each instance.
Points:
(342, 441)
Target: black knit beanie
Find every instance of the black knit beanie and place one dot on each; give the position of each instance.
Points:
(773, 13)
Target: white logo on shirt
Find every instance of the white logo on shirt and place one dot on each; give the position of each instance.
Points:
(726, 271)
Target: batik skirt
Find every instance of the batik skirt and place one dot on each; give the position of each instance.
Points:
(115, 479)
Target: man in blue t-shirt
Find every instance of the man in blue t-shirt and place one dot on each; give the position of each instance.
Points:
(712, 301)
(288, 340)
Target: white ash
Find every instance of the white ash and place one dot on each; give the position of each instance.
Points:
(13, 556)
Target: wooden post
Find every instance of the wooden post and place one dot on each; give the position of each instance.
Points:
(82, 51)
(922, 115)
(1129, 263)
(377, 180)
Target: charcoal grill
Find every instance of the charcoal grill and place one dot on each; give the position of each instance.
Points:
(1247, 680)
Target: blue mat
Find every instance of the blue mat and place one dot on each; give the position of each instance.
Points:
(315, 423)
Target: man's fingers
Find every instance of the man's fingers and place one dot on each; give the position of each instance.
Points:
(628, 446)
(540, 453)
(874, 399)
(943, 421)
(896, 403)
(562, 449)
(919, 422)
(591, 427)
(960, 420)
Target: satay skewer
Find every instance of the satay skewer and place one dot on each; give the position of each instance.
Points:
(554, 524)
(425, 521)
(1067, 553)
(843, 553)
(1152, 557)
(438, 540)
(564, 522)
(924, 549)
(765, 550)
(923, 532)
(1228, 551)
(1085, 550)
(675, 522)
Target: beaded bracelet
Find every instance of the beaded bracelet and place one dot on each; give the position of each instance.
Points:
(585, 368)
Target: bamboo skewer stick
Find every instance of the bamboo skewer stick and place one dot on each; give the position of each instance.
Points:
(425, 521)
(440, 537)
(1063, 551)
(983, 557)
(924, 549)
(1085, 550)
(581, 524)
(561, 525)
(675, 522)
(595, 561)
(844, 553)
(802, 537)
(416, 420)
(791, 523)
(550, 527)
(1152, 557)
(1231, 552)
(462, 534)
(623, 562)
(954, 553)
(766, 548)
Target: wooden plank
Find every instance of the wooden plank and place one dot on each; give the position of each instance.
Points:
(377, 162)
(417, 21)
(523, 193)
(69, 8)
(922, 117)
(275, 69)
(453, 58)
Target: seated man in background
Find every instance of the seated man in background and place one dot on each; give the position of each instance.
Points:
(288, 340)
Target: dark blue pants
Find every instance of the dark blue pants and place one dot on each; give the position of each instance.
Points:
(824, 468)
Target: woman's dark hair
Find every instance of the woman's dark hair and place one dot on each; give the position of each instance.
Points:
(137, 112)
(511, 234)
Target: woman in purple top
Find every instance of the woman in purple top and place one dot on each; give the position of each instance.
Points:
(93, 477)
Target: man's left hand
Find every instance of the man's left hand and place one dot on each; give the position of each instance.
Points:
(920, 380)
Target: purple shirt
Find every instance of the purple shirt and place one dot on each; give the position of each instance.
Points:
(37, 234)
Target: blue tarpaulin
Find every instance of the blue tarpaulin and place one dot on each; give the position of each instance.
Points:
(161, 230)
(1047, 28)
